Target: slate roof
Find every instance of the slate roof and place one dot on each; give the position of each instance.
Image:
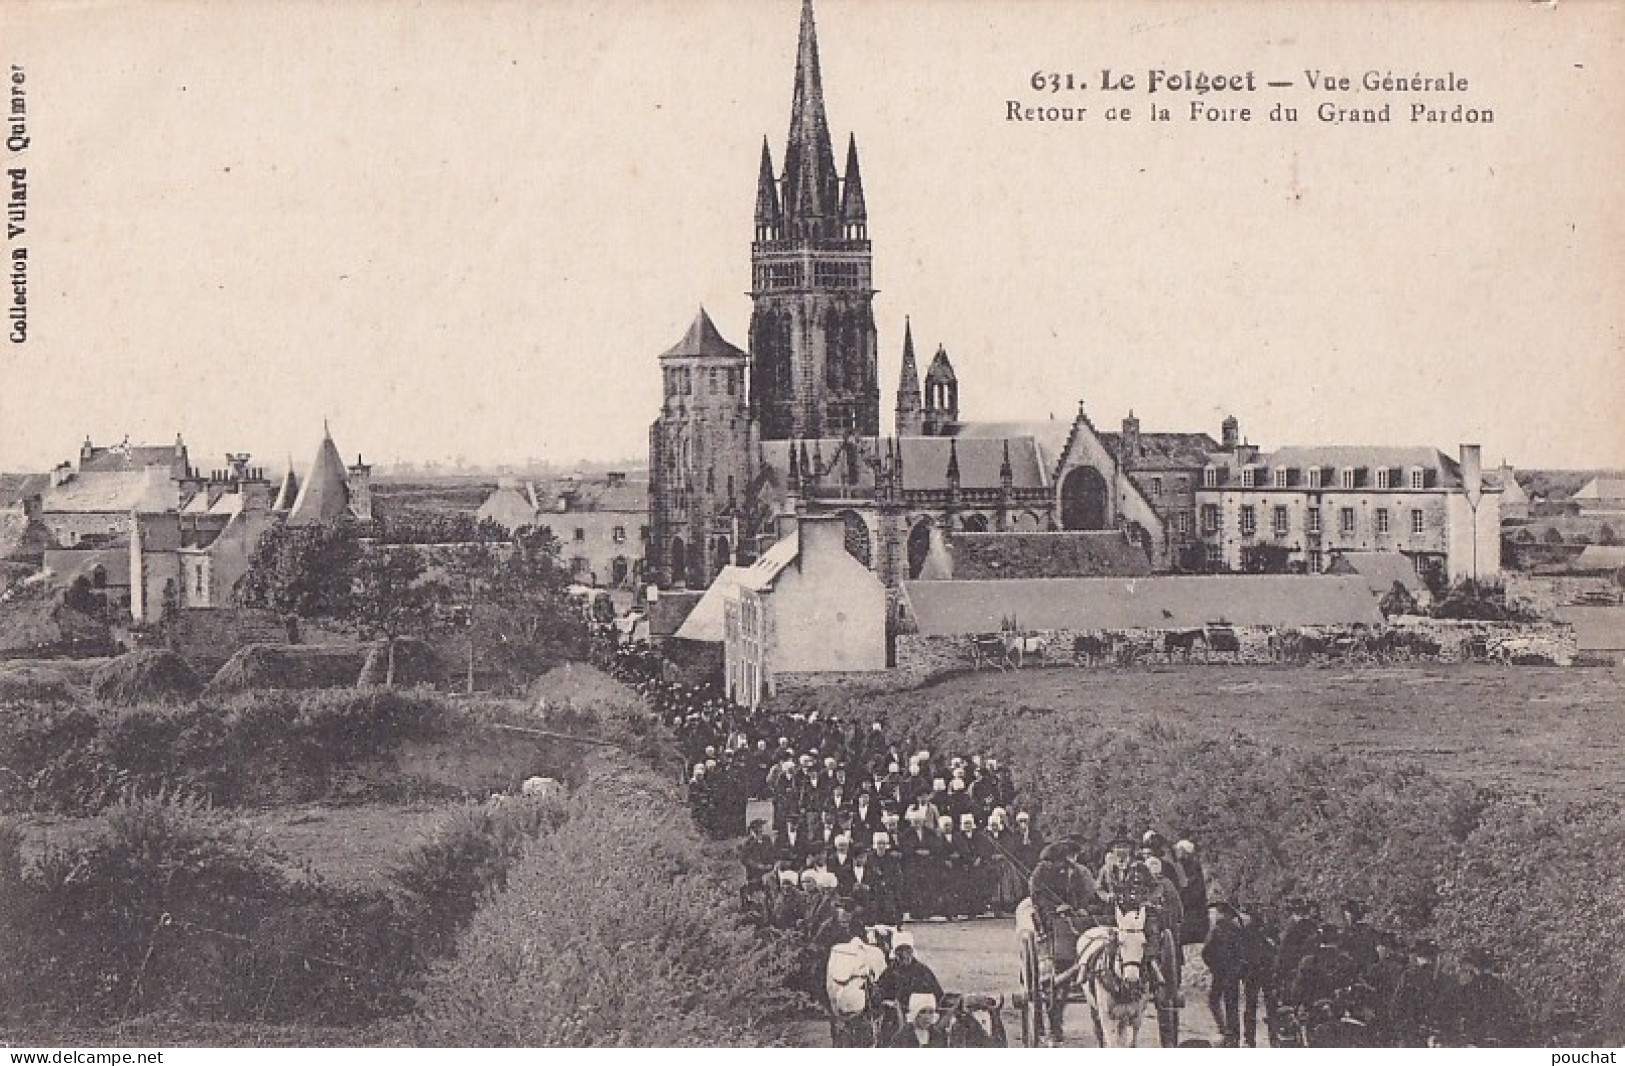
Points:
(325, 495)
(1005, 556)
(288, 492)
(1599, 557)
(707, 621)
(1049, 437)
(124, 457)
(1338, 456)
(667, 614)
(702, 339)
(1601, 488)
(105, 491)
(1380, 569)
(68, 564)
(15, 488)
(925, 462)
(1166, 451)
(945, 608)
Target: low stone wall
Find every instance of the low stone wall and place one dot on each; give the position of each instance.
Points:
(1403, 639)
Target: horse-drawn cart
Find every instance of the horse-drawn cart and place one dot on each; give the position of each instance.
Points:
(1110, 971)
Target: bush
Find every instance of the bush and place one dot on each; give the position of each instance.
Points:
(38, 684)
(616, 930)
(143, 675)
(1434, 857)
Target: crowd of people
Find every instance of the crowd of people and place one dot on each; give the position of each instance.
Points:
(869, 830)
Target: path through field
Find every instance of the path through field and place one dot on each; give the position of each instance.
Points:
(980, 956)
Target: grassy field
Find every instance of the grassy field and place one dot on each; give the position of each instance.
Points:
(1556, 731)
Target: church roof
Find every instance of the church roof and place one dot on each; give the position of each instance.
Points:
(325, 495)
(702, 339)
(1049, 437)
(925, 462)
(1004, 556)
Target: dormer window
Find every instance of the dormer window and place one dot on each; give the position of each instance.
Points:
(1249, 476)
(1418, 478)
(1281, 477)
(1348, 477)
(1210, 477)
(1314, 477)
(1383, 475)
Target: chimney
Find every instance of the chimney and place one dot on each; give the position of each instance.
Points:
(1231, 433)
(821, 537)
(1472, 472)
(61, 473)
(1131, 441)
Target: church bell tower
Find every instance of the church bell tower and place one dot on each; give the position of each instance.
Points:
(813, 353)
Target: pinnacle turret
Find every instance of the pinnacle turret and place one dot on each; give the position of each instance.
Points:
(909, 411)
(769, 217)
(854, 212)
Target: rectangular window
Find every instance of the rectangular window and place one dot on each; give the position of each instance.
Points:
(1280, 477)
(200, 582)
(1182, 523)
(1156, 487)
(711, 380)
(578, 564)
(1182, 484)
(1348, 477)
(1311, 520)
(1278, 522)
(1215, 556)
(1418, 479)
(1210, 477)
(1382, 478)
(1249, 477)
(580, 534)
(1249, 520)
(620, 534)
(1382, 521)
(1210, 518)
(1416, 521)
(1314, 477)
(1316, 562)
(1346, 521)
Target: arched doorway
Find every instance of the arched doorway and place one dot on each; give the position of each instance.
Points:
(857, 537)
(1084, 499)
(679, 561)
(919, 547)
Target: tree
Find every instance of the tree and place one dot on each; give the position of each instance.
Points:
(1397, 601)
(308, 571)
(391, 598)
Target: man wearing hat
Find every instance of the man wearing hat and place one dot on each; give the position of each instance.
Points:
(886, 875)
(757, 854)
(1297, 942)
(1192, 893)
(1225, 956)
(922, 1029)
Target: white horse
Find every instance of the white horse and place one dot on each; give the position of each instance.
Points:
(1116, 975)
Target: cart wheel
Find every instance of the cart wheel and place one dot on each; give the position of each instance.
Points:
(1032, 992)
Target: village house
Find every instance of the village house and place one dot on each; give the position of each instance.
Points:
(602, 524)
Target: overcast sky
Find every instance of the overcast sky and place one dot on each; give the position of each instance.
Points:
(467, 229)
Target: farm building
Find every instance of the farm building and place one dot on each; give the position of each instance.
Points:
(951, 608)
(1601, 495)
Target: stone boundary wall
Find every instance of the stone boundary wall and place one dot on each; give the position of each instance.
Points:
(1404, 639)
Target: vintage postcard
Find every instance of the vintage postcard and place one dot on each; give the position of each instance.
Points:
(812, 522)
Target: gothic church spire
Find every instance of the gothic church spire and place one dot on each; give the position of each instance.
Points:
(811, 187)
